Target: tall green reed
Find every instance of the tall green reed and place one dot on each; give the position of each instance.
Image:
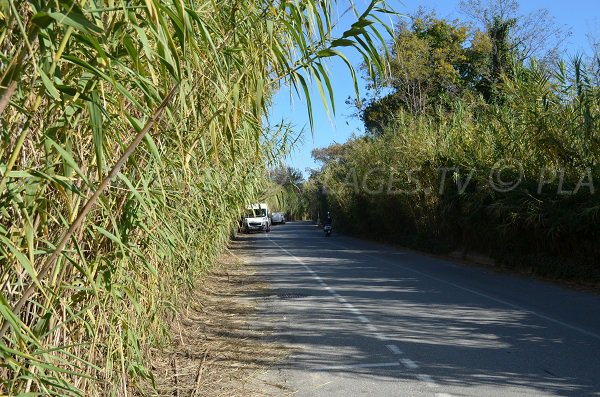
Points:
(431, 180)
(132, 135)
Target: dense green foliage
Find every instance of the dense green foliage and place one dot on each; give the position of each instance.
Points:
(474, 149)
(286, 192)
(132, 135)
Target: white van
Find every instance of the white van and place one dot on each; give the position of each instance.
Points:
(257, 218)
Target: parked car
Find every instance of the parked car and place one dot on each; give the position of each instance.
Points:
(257, 218)
(278, 217)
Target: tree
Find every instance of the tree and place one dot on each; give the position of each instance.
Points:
(286, 191)
(285, 175)
(514, 38)
(533, 35)
(436, 62)
(426, 60)
(501, 55)
(325, 155)
(428, 65)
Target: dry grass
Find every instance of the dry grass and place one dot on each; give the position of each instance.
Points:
(218, 348)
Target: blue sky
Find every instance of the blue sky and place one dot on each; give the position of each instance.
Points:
(581, 17)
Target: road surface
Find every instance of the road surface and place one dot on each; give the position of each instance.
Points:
(364, 319)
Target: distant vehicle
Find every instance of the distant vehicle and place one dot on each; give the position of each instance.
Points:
(278, 217)
(257, 218)
(328, 225)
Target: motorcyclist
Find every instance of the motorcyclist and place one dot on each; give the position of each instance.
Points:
(328, 219)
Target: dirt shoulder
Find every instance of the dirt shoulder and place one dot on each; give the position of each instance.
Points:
(218, 347)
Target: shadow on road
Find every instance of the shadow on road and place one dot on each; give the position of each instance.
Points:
(457, 337)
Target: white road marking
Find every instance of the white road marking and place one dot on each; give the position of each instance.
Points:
(428, 380)
(394, 349)
(408, 363)
(351, 366)
(483, 295)
(517, 307)
(353, 309)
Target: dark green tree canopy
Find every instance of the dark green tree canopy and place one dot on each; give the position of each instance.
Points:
(437, 61)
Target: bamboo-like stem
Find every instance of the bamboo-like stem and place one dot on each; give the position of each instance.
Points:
(89, 205)
(110, 251)
(11, 90)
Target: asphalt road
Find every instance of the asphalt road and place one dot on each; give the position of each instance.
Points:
(368, 320)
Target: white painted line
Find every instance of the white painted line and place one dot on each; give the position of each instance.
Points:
(394, 349)
(348, 305)
(428, 380)
(408, 363)
(517, 307)
(481, 294)
(353, 309)
(351, 366)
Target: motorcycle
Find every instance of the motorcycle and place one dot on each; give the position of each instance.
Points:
(327, 230)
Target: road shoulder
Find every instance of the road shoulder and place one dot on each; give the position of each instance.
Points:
(218, 347)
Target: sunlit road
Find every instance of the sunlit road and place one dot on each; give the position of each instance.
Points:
(368, 320)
